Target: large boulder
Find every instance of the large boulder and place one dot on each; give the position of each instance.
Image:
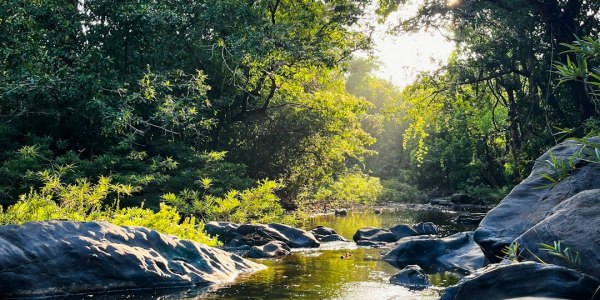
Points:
(371, 234)
(63, 257)
(458, 253)
(529, 279)
(530, 202)
(236, 235)
(412, 277)
(270, 249)
(576, 224)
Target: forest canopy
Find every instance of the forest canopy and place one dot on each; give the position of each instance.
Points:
(239, 110)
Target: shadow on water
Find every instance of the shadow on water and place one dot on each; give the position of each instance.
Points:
(336, 271)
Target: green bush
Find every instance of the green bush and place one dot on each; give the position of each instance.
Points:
(259, 204)
(396, 191)
(352, 187)
(84, 201)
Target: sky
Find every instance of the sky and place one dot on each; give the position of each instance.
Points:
(404, 56)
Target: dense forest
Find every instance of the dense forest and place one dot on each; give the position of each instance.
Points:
(169, 113)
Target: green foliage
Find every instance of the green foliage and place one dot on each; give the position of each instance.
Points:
(259, 204)
(566, 254)
(84, 201)
(396, 191)
(512, 252)
(561, 169)
(351, 187)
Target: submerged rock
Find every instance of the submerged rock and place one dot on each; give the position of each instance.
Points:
(528, 279)
(63, 257)
(412, 277)
(458, 252)
(576, 223)
(261, 234)
(530, 202)
(371, 234)
(270, 249)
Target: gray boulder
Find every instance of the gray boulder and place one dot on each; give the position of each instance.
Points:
(529, 279)
(425, 228)
(458, 253)
(412, 277)
(62, 257)
(237, 235)
(576, 223)
(270, 249)
(372, 234)
(402, 231)
(530, 202)
(326, 234)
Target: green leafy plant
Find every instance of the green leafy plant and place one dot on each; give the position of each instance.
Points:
(85, 201)
(512, 252)
(561, 169)
(557, 249)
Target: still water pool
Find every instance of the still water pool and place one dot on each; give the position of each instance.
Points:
(334, 271)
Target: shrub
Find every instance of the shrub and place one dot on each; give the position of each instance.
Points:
(396, 191)
(352, 187)
(84, 201)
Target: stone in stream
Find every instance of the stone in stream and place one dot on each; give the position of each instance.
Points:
(425, 228)
(270, 249)
(457, 252)
(371, 234)
(412, 277)
(534, 199)
(62, 257)
(260, 234)
(326, 234)
(527, 279)
(576, 224)
(401, 231)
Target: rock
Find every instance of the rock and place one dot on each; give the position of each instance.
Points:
(532, 200)
(236, 235)
(61, 257)
(458, 252)
(374, 235)
(322, 230)
(340, 213)
(576, 223)
(378, 211)
(412, 277)
(461, 198)
(333, 238)
(326, 234)
(402, 231)
(426, 228)
(528, 279)
(226, 231)
(270, 249)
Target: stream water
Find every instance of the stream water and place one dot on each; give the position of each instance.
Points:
(333, 271)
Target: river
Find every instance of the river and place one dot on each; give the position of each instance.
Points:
(334, 271)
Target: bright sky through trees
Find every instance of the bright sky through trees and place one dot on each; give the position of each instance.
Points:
(403, 56)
